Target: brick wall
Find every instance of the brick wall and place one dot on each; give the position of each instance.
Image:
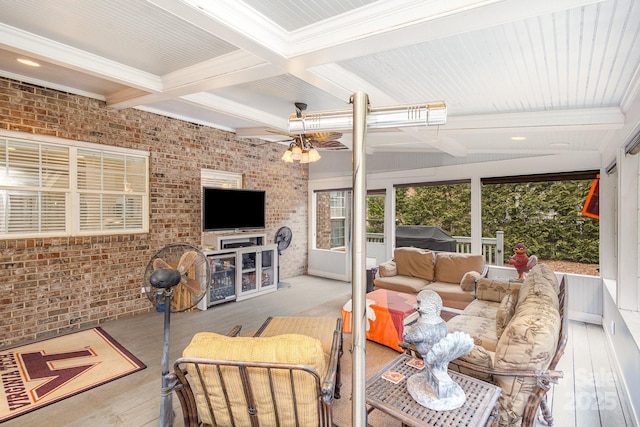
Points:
(52, 285)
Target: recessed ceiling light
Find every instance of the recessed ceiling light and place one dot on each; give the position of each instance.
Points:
(518, 138)
(28, 62)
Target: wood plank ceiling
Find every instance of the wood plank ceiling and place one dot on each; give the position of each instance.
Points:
(564, 74)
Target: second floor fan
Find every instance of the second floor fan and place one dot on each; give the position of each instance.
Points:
(283, 240)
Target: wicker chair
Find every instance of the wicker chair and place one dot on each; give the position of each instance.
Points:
(282, 380)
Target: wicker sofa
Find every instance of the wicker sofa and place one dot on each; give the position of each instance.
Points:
(452, 275)
(520, 332)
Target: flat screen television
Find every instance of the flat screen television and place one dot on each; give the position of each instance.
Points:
(232, 209)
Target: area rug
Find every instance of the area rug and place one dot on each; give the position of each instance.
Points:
(44, 372)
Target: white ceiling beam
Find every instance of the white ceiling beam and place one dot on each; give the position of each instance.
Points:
(608, 118)
(385, 29)
(234, 109)
(37, 47)
(232, 69)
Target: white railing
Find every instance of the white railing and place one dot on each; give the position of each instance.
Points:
(375, 237)
(492, 247)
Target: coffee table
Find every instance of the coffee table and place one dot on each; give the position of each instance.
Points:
(387, 314)
(479, 409)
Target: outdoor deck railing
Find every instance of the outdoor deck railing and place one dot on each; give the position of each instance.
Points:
(492, 247)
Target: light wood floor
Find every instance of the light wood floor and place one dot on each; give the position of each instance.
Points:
(589, 395)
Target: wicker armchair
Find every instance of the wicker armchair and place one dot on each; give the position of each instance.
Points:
(258, 381)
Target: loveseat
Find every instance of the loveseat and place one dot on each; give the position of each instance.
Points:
(452, 275)
(519, 332)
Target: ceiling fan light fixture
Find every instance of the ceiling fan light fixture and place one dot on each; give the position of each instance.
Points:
(305, 157)
(286, 156)
(314, 155)
(296, 153)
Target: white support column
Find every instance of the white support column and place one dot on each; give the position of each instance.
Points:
(476, 215)
(359, 316)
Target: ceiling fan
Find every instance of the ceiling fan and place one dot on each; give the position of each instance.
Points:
(318, 140)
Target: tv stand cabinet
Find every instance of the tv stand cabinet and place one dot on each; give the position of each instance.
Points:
(219, 241)
(240, 273)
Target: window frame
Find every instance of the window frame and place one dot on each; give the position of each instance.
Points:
(73, 209)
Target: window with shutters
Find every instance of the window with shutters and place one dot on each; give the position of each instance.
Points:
(220, 179)
(53, 187)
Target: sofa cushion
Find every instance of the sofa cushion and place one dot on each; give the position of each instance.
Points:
(405, 284)
(468, 281)
(494, 289)
(414, 262)
(450, 266)
(528, 343)
(482, 330)
(505, 312)
(540, 283)
(452, 294)
(290, 348)
(479, 308)
(530, 339)
(387, 269)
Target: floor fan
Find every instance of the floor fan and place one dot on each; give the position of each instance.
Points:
(283, 240)
(176, 279)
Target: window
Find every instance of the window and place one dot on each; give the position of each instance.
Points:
(332, 211)
(375, 216)
(545, 213)
(214, 178)
(445, 204)
(57, 188)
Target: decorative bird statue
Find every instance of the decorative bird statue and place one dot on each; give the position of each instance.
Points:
(434, 388)
(521, 261)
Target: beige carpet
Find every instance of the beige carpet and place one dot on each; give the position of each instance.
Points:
(376, 357)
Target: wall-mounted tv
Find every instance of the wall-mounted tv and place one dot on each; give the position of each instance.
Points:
(232, 209)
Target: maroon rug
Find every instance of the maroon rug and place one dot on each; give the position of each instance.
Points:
(41, 373)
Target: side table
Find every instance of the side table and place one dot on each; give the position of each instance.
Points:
(479, 409)
(387, 314)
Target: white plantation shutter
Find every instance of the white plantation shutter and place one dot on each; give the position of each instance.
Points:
(213, 178)
(111, 191)
(58, 187)
(34, 188)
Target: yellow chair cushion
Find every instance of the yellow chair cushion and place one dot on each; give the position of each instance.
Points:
(289, 348)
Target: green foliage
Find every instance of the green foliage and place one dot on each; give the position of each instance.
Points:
(545, 216)
(446, 206)
(375, 214)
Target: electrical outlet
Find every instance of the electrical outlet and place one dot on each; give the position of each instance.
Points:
(613, 327)
(142, 291)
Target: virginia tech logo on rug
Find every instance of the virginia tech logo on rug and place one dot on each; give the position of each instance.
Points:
(41, 373)
(23, 375)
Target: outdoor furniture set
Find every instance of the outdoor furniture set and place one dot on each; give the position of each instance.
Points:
(290, 368)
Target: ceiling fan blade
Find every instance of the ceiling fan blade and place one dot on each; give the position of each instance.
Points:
(329, 145)
(323, 136)
(277, 132)
(159, 263)
(186, 260)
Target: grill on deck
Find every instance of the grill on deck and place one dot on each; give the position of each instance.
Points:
(425, 237)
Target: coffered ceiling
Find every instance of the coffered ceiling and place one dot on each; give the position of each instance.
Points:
(564, 74)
